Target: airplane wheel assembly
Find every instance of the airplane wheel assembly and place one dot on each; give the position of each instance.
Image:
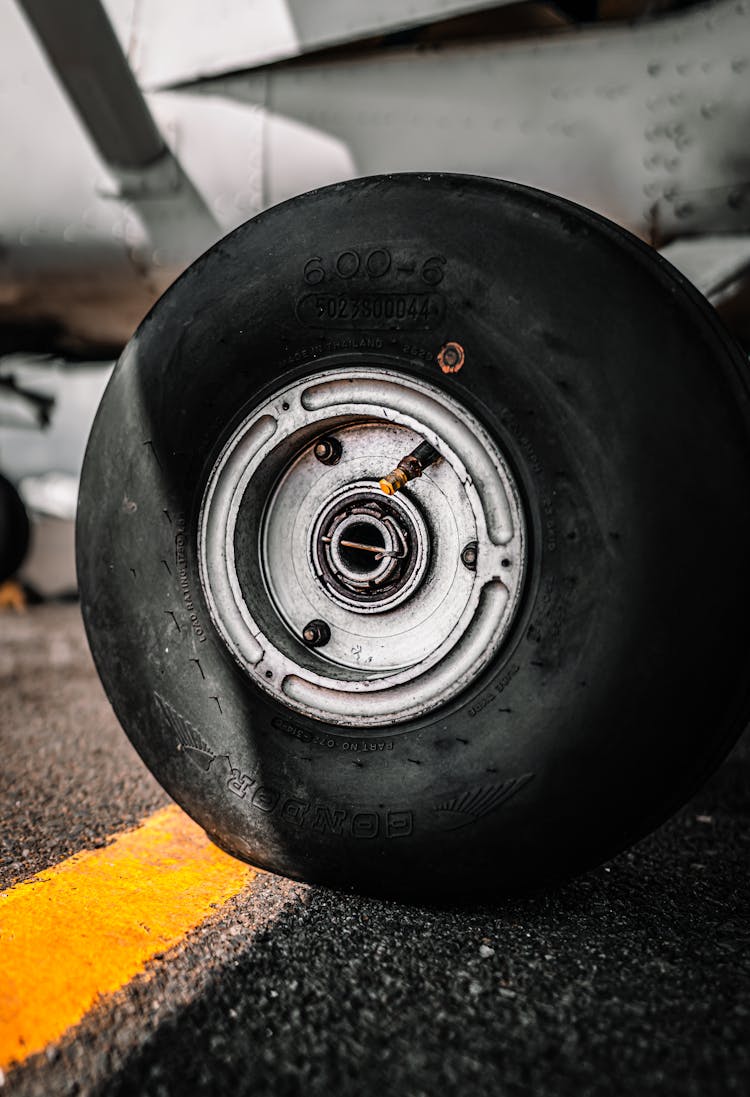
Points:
(15, 531)
(413, 538)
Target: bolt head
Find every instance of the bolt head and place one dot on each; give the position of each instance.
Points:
(470, 555)
(328, 451)
(316, 633)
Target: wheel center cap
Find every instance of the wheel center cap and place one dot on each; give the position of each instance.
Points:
(369, 552)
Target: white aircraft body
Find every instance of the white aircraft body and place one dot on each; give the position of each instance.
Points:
(109, 189)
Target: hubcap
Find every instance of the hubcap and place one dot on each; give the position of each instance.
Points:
(345, 604)
(370, 552)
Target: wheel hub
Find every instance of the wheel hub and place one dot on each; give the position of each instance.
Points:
(347, 604)
(369, 552)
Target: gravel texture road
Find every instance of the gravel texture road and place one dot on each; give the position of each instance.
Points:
(634, 979)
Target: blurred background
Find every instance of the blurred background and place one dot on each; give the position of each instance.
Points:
(136, 133)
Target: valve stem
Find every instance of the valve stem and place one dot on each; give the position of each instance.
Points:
(409, 468)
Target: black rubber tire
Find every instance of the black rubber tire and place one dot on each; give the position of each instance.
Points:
(623, 407)
(15, 530)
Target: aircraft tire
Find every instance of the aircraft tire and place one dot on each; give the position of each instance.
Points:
(544, 653)
(14, 530)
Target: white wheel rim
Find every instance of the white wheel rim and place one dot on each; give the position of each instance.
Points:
(270, 564)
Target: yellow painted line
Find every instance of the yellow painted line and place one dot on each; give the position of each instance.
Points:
(84, 928)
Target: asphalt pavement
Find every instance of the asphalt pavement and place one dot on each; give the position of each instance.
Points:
(634, 979)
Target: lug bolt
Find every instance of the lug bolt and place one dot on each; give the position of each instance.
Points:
(328, 451)
(316, 633)
(469, 556)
